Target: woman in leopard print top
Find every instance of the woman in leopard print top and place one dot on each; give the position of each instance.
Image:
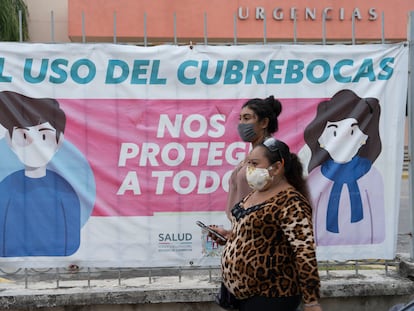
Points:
(269, 260)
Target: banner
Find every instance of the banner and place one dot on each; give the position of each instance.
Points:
(111, 153)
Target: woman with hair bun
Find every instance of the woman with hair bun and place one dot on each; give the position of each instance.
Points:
(258, 121)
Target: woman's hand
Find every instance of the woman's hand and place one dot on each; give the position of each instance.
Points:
(223, 232)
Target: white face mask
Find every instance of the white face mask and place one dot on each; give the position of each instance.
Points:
(258, 178)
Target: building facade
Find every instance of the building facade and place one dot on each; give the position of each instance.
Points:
(217, 21)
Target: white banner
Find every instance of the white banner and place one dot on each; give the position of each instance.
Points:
(144, 139)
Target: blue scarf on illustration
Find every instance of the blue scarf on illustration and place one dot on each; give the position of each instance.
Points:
(347, 173)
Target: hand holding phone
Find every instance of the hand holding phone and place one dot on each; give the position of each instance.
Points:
(212, 231)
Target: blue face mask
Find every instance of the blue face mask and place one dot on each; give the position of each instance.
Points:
(246, 132)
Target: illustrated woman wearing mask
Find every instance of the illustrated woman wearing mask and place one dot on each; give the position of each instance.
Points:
(347, 190)
(258, 121)
(269, 260)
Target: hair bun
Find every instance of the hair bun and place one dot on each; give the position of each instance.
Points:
(275, 104)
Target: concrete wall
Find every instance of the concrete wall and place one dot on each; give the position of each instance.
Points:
(377, 304)
(370, 290)
(362, 303)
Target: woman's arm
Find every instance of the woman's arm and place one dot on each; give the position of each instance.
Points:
(296, 223)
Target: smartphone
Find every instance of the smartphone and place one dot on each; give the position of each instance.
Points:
(221, 237)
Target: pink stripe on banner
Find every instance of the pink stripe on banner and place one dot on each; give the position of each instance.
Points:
(167, 155)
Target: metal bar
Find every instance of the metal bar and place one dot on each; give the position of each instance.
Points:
(382, 28)
(295, 30)
(205, 28)
(52, 26)
(83, 28)
(115, 27)
(324, 28)
(235, 28)
(57, 278)
(26, 281)
(353, 29)
(20, 26)
(410, 103)
(145, 30)
(175, 29)
(264, 29)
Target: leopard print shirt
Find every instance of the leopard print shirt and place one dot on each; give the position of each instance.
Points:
(271, 251)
